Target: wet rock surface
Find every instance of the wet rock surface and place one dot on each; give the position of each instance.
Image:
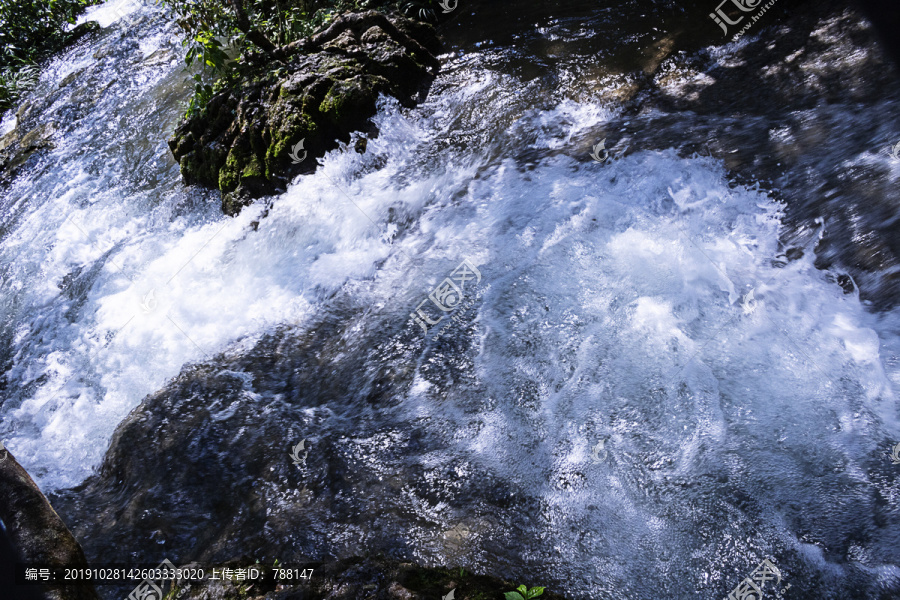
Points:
(39, 536)
(252, 139)
(371, 577)
(202, 469)
(16, 148)
(205, 469)
(36, 533)
(774, 107)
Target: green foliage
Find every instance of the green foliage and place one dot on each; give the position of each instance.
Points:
(14, 83)
(196, 17)
(282, 21)
(30, 31)
(219, 47)
(215, 65)
(209, 29)
(523, 593)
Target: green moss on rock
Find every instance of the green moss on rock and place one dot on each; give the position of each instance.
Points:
(242, 142)
(285, 134)
(346, 100)
(229, 174)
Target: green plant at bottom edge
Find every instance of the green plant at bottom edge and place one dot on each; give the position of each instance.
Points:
(523, 593)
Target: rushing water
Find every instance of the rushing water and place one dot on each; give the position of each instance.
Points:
(744, 403)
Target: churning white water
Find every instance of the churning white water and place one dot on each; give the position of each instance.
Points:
(644, 303)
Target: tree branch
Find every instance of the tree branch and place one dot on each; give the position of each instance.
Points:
(253, 34)
(369, 18)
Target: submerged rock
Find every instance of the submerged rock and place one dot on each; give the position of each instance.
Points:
(17, 147)
(39, 536)
(253, 138)
(797, 105)
(207, 468)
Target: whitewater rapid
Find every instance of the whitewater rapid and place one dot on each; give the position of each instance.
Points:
(645, 303)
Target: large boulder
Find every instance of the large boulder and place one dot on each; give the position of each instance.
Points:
(207, 469)
(36, 534)
(253, 138)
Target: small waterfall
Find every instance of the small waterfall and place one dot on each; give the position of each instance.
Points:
(647, 359)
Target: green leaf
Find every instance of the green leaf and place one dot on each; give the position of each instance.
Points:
(513, 596)
(523, 590)
(534, 592)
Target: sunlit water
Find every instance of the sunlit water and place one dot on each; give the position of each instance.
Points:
(643, 357)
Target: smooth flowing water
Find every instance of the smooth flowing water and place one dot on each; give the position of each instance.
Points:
(644, 357)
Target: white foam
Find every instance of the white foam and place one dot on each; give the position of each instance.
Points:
(617, 306)
(113, 11)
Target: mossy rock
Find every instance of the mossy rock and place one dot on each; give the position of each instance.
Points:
(242, 142)
(345, 101)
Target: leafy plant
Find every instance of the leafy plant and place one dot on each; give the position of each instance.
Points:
(250, 26)
(219, 35)
(30, 31)
(523, 593)
(14, 83)
(215, 66)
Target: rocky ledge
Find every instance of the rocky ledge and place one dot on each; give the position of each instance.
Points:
(253, 138)
(32, 533)
(17, 147)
